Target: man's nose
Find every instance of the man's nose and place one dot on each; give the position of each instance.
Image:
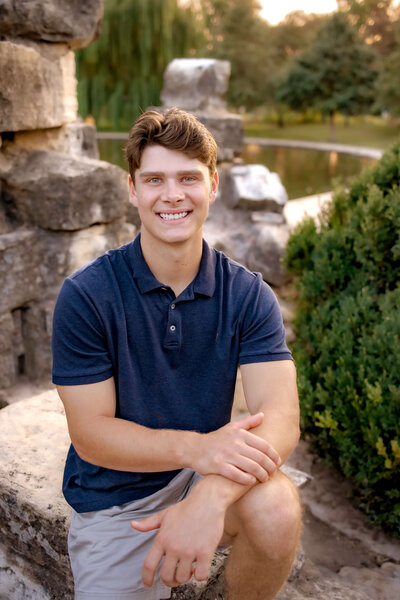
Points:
(173, 192)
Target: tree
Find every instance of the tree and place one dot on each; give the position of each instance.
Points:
(122, 72)
(236, 32)
(334, 74)
(373, 20)
(388, 88)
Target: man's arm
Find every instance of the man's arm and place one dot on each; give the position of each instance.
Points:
(270, 387)
(102, 439)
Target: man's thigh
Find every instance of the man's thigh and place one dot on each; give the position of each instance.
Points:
(107, 555)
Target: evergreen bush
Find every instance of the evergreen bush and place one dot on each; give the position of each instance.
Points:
(347, 275)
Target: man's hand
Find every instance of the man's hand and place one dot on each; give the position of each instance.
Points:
(189, 533)
(235, 453)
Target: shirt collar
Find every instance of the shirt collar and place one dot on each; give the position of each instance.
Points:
(203, 283)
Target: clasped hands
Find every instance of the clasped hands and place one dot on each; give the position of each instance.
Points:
(189, 531)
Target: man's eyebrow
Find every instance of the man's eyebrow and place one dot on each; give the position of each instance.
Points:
(145, 174)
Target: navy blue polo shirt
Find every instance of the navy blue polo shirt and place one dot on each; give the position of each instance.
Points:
(174, 359)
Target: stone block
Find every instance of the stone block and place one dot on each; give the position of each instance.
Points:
(65, 252)
(196, 84)
(254, 187)
(33, 515)
(20, 277)
(38, 85)
(75, 22)
(64, 193)
(77, 138)
(227, 130)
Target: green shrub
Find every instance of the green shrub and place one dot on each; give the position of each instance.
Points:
(347, 274)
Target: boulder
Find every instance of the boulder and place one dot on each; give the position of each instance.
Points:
(77, 138)
(254, 187)
(196, 84)
(227, 130)
(199, 85)
(75, 22)
(63, 192)
(258, 245)
(34, 517)
(38, 85)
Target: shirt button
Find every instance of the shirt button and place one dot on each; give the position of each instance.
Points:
(164, 289)
(172, 306)
(172, 328)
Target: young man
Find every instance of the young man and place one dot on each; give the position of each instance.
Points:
(147, 341)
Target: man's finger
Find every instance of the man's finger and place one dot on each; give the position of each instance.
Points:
(149, 523)
(250, 421)
(150, 564)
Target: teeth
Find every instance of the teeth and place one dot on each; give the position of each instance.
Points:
(173, 217)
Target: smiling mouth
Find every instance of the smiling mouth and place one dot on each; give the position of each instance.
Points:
(174, 216)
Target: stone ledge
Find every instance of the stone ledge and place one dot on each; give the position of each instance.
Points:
(34, 517)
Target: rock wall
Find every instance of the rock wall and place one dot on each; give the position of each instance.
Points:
(59, 205)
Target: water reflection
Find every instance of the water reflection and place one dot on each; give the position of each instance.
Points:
(306, 172)
(303, 172)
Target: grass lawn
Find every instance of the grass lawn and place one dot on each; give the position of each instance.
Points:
(368, 131)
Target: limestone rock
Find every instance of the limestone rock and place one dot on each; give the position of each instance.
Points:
(75, 22)
(227, 130)
(77, 138)
(196, 84)
(20, 276)
(33, 514)
(65, 252)
(259, 246)
(38, 85)
(254, 187)
(62, 192)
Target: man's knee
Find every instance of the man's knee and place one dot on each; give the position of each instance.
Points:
(270, 517)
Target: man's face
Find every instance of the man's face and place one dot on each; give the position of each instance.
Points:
(172, 193)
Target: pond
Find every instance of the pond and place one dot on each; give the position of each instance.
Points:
(302, 172)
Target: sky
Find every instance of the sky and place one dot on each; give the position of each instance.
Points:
(275, 10)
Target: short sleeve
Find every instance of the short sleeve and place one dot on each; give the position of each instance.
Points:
(263, 336)
(80, 353)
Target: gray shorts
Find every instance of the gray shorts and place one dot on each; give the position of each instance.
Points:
(107, 554)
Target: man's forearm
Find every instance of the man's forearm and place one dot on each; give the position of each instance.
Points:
(125, 446)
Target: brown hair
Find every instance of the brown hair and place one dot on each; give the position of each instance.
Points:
(174, 129)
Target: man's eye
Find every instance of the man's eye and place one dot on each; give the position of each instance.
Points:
(154, 180)
(188, 178)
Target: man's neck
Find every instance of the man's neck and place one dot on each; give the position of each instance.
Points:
(175, 265)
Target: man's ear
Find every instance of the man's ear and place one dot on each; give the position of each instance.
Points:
(132, 191)
(214, 187)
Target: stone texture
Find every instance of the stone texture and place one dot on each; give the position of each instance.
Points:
(76, 138)
(19, 269)
(63, 192)
(33, 514)
(254, 187)
(38, 85)
(75, 22)
(196, 84)
(257, 245)
(227, 130)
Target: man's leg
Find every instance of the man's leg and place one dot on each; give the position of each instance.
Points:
(264, 528)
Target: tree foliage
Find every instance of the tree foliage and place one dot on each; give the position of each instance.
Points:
(236, 32)
(122, 72)
(348, 335)
(333, 74)
(374, 20)
(388, 88)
